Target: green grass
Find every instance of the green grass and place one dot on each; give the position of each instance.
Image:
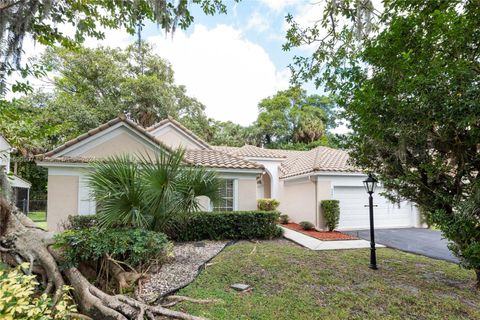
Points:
(291, 282)
(40, 218)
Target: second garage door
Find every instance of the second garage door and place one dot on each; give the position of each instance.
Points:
(354, 213)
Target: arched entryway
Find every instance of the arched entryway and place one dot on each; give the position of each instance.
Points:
(264, 185)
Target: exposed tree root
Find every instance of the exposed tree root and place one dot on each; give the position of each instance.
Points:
(22, 240)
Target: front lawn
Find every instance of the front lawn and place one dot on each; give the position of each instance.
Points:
(40, 218)
(291, 282)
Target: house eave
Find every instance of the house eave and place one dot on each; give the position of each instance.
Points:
(323, 173)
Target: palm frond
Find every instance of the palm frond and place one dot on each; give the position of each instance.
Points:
(149, 191)
(118, 192)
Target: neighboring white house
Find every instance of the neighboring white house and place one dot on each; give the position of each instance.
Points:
(298, 179)
(21, 187)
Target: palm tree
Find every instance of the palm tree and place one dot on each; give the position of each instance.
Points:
(149, 192)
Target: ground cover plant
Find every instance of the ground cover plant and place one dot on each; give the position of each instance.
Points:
(291, 282)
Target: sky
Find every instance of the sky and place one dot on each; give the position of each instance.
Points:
(228, 62)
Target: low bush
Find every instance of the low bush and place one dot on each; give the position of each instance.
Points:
(284, 218)
(234, 225)
(306, 225)
(267, 204)
(20, 298)
(331, 213)
(78, 222)
(136, 247)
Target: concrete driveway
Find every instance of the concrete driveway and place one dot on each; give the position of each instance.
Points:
(426, 242)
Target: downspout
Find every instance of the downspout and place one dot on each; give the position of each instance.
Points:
(314, 180)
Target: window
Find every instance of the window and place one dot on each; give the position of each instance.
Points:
(227, 202)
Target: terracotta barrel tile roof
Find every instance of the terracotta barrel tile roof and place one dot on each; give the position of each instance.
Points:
(318, 159)
(204, 158)
(297, 162)
(250, 151)
(219, 159)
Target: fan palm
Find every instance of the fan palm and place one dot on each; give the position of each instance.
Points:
(149, 192)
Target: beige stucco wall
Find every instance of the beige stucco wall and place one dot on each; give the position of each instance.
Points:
(62, 199)
(297, 199)
(267, 186)
(175, 139)
(120, 144)
(247, 194)
(204, 203)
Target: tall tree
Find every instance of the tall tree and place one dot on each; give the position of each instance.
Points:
(410, 92)
(291, 116)
(40, 19)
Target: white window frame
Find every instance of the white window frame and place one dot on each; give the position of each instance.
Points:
(234, 195)
(86, 205)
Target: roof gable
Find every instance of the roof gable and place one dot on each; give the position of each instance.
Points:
(173, 134)
(119, 135)
(4, 145)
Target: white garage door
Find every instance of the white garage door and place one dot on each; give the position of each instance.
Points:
(354, 213)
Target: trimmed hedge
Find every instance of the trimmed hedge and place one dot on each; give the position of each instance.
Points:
(267, 204)
(331, 213)
(228, 225)
(231, 225)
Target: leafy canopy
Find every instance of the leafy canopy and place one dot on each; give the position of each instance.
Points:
(409, 87)
(293, 117)
(43, 20)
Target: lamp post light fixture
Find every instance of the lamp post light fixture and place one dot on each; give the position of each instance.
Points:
(370, 184)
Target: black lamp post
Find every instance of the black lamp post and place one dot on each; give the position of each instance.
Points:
(370, 184)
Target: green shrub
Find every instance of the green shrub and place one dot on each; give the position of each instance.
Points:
(306, 225)
(77, 222)
(234, 225)
(284, 218)
(331, 213)
(267, 204)
(19, 298)
(136, 247)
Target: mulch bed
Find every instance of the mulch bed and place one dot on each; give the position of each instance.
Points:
(320, 235)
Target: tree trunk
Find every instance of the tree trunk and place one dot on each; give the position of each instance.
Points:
(22, 241)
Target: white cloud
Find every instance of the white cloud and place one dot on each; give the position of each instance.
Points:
(225, 71)
(258, 22)
(113, 38)
(278, 5)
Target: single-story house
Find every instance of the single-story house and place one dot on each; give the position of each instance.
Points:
(20, 186)
(298, 179)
